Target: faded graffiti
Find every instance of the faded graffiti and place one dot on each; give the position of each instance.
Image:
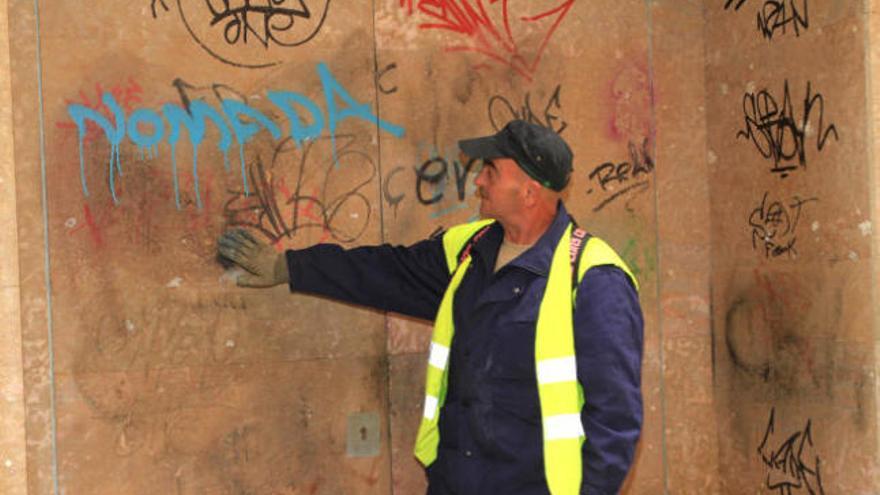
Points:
(640, 257)
(631, 95)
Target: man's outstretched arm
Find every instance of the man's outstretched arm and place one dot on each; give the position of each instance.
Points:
(408, 280)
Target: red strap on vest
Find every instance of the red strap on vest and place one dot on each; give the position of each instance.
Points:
(467, 248)
(576, 249)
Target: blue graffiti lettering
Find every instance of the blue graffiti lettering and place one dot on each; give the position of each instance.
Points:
(146, 128)
(194, 121)
(355, 109)
(115, 134)
(148, 117)
(299, 132)
(244, 131)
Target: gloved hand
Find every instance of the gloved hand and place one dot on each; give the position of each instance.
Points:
(264, 266)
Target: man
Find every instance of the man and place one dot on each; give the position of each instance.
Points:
(533, 383)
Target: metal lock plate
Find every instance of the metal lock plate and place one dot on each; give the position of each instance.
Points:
(363, 435)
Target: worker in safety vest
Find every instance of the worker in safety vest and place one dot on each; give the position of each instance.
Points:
(534, 371)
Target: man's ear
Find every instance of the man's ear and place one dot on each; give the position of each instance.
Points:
(532, 193)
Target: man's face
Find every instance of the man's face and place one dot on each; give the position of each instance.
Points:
(500, 186)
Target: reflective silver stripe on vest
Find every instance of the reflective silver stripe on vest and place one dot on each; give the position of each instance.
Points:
(557, 370)
(563, 426)
(430, 406)
(439, 356)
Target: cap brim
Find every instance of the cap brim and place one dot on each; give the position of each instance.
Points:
(482, 147)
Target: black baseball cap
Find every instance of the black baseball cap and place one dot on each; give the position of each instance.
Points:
(539, 151)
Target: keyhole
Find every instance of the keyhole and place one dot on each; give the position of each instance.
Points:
(363, 433)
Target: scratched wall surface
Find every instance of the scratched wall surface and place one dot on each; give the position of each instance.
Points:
(164, 123)
(792, 232)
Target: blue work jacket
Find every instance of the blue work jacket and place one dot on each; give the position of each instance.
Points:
(490, 425)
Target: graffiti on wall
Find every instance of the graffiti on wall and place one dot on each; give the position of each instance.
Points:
(234, 120)
(436, 173)
(386, 87)
(631, 101)
(777, 16)
(782, 132)
(612, 181)
(487, 28)
(774, 226)
(223, 27)
(501, 111)
(442, 182)
(778, 133)
(788, 472)
(279, 209)
(126, 92)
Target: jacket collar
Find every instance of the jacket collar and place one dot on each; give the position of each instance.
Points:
(537, 258)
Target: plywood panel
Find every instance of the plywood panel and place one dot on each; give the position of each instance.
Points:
(262, 428)
(168, 378)
(683, 247)
(791, 237)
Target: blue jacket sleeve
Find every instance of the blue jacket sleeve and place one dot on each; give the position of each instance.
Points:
(609, 343)
(407, 280)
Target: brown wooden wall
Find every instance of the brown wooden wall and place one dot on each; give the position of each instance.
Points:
(141, 368)
(792, 231)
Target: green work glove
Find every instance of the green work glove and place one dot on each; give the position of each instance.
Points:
(264, 266)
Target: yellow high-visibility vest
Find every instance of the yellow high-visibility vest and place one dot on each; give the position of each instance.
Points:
(560, 393)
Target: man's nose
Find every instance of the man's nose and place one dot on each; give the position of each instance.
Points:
(479, 180)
